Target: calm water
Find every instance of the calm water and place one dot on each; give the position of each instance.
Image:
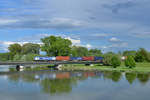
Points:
(56, 85)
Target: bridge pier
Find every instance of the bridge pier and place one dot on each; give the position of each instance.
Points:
(19, 67)
(89, 65)
(58, 66)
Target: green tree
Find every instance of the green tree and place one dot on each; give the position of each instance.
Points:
(95, 52)
(5, 56)
(28, 57)
(108, 58)
(56, 46)
(30, 48)
(15, 49)
(79, 51)
(142, 55)
(129, 53)
(130, 62)
(115, 61)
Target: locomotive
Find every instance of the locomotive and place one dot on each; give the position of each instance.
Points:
(67, 58)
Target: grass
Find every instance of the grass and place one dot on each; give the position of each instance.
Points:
(140, 67)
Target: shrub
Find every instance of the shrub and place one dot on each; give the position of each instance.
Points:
(28, 57)
(17, 57)
(107, 59)
(139, 57)
(130, 62)
(115, 61)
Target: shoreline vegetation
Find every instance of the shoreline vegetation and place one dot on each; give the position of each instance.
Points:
(140, 67)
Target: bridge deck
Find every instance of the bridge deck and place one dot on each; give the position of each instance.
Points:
(50, 63)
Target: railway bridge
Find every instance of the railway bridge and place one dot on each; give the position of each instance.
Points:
(56, 63)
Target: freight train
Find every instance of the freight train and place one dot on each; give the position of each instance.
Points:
(67, 58)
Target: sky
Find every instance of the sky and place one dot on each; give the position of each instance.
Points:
(109, 25)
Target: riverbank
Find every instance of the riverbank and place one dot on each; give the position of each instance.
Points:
(140, 67)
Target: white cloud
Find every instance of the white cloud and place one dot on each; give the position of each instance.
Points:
(88, 46)
(7, 21)
(114, 39)
(74, 41)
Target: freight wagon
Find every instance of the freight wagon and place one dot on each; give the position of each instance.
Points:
(62, 58)
(44, 58)
(76, 58)
(67, 58)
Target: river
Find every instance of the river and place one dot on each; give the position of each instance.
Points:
(77, 85)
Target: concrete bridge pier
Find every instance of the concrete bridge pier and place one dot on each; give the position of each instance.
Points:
(58, 66)
(89, 65)
(19, 67)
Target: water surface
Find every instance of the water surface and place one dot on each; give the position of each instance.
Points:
(58, 85)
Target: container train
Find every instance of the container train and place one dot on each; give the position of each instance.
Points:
(67, 58)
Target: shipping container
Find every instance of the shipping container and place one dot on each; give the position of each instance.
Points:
(88, 58)
(76, 58)
(62, 58)
(44, 58)
(98, 58)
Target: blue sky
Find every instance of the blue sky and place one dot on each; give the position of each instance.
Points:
(109, 25)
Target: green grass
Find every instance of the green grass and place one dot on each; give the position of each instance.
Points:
(140, 67)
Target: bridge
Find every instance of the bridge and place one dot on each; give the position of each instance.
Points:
(56, 63)
(50, 63)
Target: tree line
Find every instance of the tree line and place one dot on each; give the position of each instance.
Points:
(52, 46)
(58, 46)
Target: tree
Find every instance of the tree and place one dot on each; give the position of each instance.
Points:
(115, 61)
(142, 55)
(15, 48)
(129, 53)
(130, 62)
(108, 58)
(56, 46)
(5, 56)
(79, 51)
(30, 48)
(95, 52)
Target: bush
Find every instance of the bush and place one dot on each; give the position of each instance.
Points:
(107, 59)
(115, 61)
(139, 57)
(130, 62)
(17, 57)
(28, 57)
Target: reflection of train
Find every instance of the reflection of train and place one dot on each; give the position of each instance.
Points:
(67, 58)
(66, 75)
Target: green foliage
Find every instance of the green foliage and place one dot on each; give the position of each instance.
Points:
(5, 56)
(30, 48)
(130, 62)
(108, 58)
(115, 61)
(56, 46)
(15, 49)
(28, 57)
(17, 57)
(129, 53)
(142, 55)
(78, 51)
(95, 52)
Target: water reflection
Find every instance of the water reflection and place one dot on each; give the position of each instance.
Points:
(57, 83)
(63, 82)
